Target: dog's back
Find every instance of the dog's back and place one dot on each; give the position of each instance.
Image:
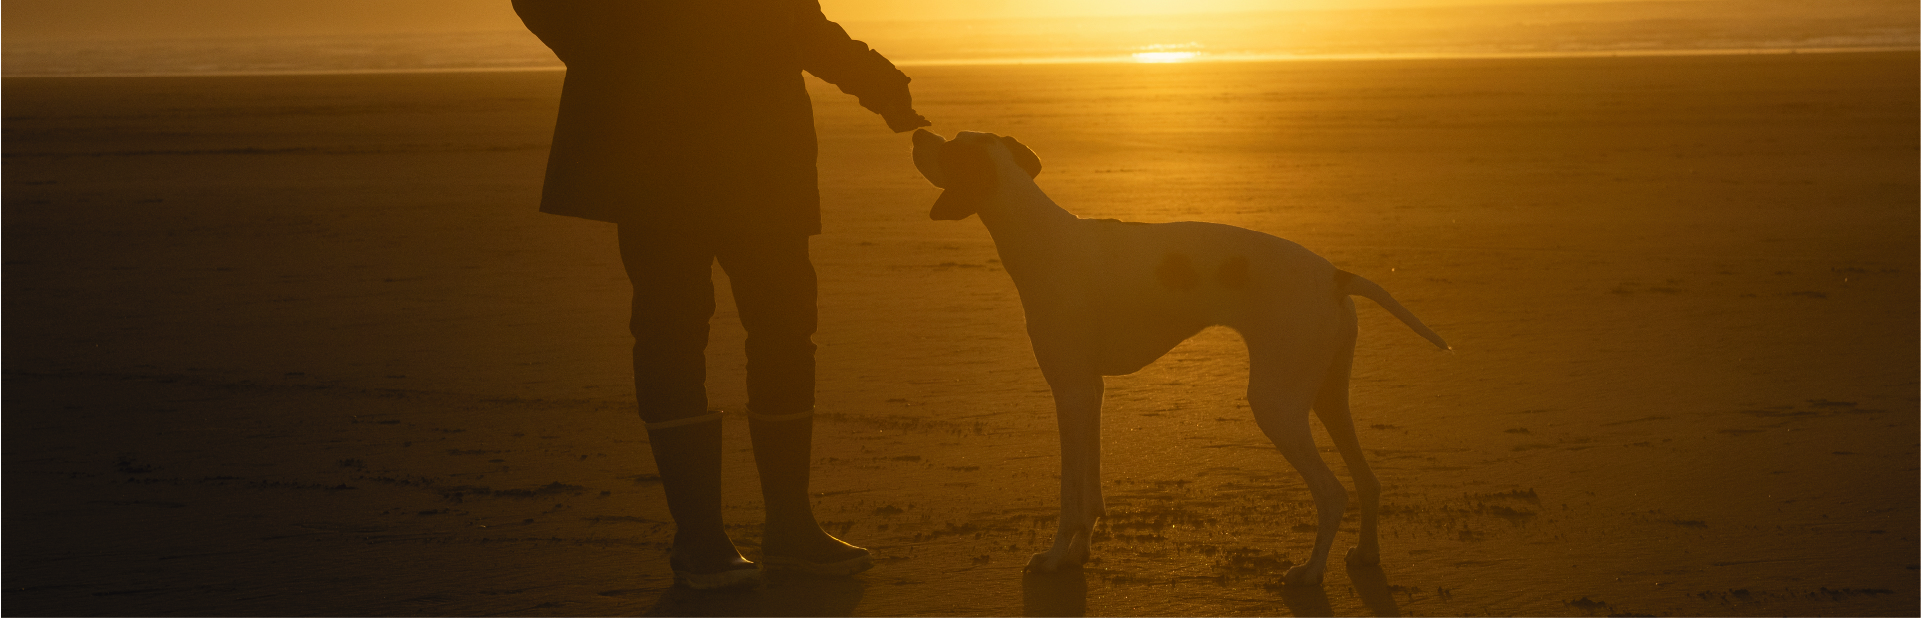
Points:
(1158, 284)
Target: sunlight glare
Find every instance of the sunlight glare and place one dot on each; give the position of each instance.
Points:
(1162, 56)
(1163, 53)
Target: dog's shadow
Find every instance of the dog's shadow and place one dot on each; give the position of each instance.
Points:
(1370, 582)
(784, 595)
(1061, 593)
(1306, 601)
(1064, 593)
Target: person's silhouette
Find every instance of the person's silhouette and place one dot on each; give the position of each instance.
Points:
(687, 124)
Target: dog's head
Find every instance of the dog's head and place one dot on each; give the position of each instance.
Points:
(968, 167)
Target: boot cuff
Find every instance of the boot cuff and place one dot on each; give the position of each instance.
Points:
(683, 422)
(808, 413)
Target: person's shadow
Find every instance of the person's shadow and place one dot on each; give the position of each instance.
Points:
(1061, 593)
(784, 595)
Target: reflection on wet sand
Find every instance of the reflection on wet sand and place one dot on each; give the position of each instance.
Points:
(784, 595)
(1061, 593)
(1306, 600)
(1370, 582)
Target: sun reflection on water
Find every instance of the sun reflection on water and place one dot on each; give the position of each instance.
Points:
(1162, 56)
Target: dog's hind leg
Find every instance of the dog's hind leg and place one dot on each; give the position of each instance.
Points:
(1077, 405)
(1281, 387)
(1331, 405)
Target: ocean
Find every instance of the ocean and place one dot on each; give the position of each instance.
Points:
(1606, 28)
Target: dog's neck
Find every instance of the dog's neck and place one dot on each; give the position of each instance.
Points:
(1023, 220)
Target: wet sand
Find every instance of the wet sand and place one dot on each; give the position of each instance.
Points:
(301, 345)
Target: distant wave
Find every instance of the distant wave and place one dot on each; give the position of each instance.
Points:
(1608, 28)
(280, 55)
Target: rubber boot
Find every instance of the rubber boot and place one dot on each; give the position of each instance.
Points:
(688, 455)
(793, 540)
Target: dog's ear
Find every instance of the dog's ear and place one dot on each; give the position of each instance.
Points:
(1022, 156)
(969, 176)
(927, 156)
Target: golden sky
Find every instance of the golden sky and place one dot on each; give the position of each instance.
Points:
(853, 10)
(117, 19)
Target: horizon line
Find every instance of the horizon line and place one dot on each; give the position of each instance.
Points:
(1202, 58)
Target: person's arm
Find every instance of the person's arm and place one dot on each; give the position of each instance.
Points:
(828, 53)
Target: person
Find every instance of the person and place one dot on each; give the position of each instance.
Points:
(687, 123)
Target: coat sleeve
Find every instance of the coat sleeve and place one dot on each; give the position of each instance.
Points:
(827, 52)
(547, 20)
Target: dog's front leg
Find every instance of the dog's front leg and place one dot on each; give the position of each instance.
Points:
(1077, 406)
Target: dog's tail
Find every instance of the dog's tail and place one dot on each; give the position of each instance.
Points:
(1350, 284)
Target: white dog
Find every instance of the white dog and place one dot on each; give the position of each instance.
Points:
(1106, 297)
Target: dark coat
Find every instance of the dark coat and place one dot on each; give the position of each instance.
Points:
(692, 114)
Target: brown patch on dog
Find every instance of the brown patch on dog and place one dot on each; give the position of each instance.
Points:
(1176, 272)
(1233, 273)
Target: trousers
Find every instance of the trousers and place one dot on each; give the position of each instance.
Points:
(775, 292)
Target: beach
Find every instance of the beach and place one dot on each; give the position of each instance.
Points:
(302, 345)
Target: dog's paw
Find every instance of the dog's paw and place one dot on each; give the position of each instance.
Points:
(1357, 556)
(1079, 552)
(1045, 562)
(1054, 559)
(1304, 575)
